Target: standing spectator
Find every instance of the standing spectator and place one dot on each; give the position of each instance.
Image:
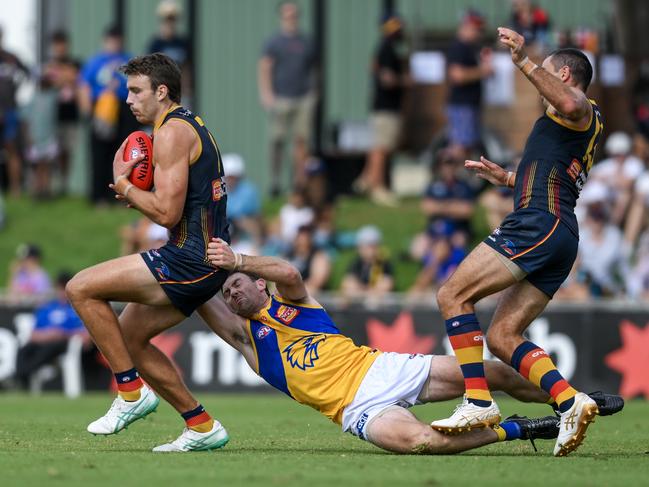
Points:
(531, 21)
(12, 73)
(56, 323)
(313, 263)
(370, 274)
(170, 42)
(244, 205)
(28, 280)
(286, 80)
(390, 77)
(103, 97)
(618, 173)
(42, 136)
(63, 72)
(468, 65)
(293, 215)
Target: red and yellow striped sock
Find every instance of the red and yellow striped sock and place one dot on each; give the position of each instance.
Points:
(467, 341)
(198, 420)
(129, 385)
(533, 363)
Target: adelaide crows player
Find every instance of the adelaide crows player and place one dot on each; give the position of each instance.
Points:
(161, 286)
(533, 250)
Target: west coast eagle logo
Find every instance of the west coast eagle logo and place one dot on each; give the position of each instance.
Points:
(303, 353)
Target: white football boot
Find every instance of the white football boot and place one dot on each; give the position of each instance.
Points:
(191, 440)
(122, 413)
(573, 424)
(468, 416)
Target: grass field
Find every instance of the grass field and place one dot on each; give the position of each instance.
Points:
(275, 441)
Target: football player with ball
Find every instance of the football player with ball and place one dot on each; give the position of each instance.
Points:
(161, 286)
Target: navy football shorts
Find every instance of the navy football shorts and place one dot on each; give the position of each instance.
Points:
(187, 281)
(539, 244)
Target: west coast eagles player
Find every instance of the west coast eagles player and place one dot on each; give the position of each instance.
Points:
(161, 286)
(290, 341)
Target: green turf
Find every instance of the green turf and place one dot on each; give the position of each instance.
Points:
(275, 441)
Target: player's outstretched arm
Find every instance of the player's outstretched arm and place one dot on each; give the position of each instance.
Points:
(285, 276)
(172, 148)
(496, 175)
(568, 101)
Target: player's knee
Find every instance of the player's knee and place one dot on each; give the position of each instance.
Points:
(446, 296)
(496, 343)
(75, 289)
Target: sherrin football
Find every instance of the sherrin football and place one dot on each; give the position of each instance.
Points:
(138, 143)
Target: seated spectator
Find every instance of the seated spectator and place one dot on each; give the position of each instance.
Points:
(293, 215)
(313, 263)
(440, 261)
(618, 172)
(448, 198)
(142, 235)
(28, 281)
(637, 282)
(448, 205)
(56, 322)
(244, 205)
(370, 274)
(601, 246)
(575, 287)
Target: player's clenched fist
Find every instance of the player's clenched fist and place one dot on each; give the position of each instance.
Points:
(221, 255)
(515, 42)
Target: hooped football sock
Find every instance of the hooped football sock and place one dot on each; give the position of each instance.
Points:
(198, 420)
(129, 385)
(467, 341)
(508, 430)
(533, 363)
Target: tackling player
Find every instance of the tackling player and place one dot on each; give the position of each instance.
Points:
(290, 341)
(162, 286)
(531, 253)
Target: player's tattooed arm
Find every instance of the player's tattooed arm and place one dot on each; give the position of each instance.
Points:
(569, 101)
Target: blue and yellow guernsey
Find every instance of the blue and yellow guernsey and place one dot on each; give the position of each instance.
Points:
(204, 209)
(301, 352)
(555, 165)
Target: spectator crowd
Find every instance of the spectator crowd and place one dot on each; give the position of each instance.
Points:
(38, 140)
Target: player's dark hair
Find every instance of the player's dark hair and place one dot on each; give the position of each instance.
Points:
(161, 70)
(580, 67)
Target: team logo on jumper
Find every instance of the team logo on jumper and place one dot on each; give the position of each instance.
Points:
(286, 314)
(509, 247)
(303, 353)
(263, 332)
(163, 272)
(218, 189)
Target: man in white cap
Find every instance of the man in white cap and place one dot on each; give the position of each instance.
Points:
(370, 273)
(618, 173)
(244, 205)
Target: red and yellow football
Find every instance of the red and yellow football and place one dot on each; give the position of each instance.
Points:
(139, 143)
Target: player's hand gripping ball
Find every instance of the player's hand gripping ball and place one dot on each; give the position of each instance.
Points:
(139, 143)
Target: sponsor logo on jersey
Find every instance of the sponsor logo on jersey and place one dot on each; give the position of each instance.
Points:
(303, 352)
(218, 189)
(286, 314)
(263, 332)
